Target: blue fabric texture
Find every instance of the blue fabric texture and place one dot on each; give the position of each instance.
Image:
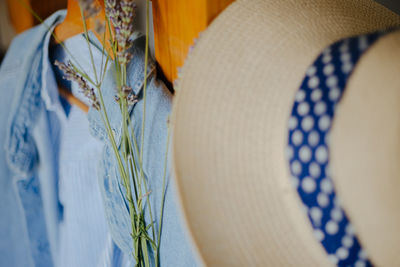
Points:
(30, 208)
(308, 150)
(84, 238)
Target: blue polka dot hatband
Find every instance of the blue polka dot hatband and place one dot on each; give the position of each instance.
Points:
(308, 148)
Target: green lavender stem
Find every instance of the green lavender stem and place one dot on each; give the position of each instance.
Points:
(144, 107)
(125, 178)
(144, 89)
(89, 46)
(162, 199)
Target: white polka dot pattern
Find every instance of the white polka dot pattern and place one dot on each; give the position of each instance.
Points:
(308, 148)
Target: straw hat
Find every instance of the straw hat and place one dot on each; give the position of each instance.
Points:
(230, 132)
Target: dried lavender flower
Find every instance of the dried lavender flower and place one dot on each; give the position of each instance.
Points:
(127, 16)
(124, 57)
(121, 15)
(132, 99)
(71, 75)
(99, 26)
(112, 12)
(127, 93)
(89, 7)
(126, 89)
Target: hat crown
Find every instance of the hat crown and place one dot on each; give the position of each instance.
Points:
(230, 130)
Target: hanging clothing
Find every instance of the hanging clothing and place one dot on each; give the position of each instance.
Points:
(33, 190)
(84, 238)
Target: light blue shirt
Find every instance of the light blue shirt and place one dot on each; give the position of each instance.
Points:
(84, 239)
(30, 205)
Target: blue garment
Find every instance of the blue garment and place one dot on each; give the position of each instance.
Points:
(308, 147)
(84, 238)
(30, 210)
(30, 136)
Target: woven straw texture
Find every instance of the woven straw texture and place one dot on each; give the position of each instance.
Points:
(230, 132)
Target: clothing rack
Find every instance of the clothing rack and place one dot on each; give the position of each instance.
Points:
(177, 23)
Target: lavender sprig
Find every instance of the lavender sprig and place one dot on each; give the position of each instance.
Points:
(126, 30)
(71, 74)
(113, 12)
(132, 99)
(126, 93)
(122, 14)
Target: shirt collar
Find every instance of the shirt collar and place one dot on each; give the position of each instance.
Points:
(20, 149)
(49, 92)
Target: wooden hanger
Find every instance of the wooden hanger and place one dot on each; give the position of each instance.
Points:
(22, 19)
(176, 25)
(73, 25)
